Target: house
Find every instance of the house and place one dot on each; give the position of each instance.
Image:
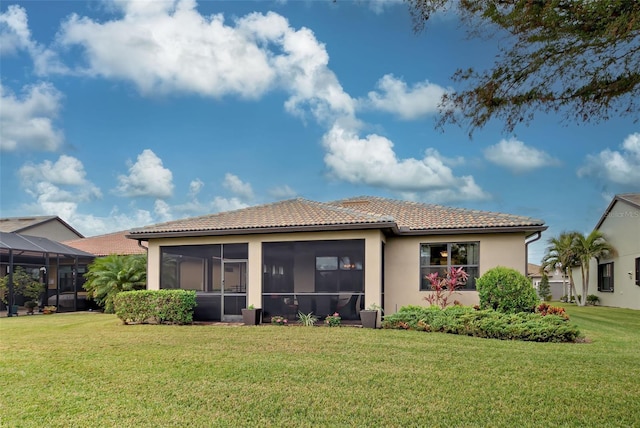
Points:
(616, 279)
(341, 256)
(558, 286)
(110, 243)
(50, 227)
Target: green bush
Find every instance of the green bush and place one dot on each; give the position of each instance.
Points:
(155, 306)
(506, 290)
(488, 323)
(592, 299)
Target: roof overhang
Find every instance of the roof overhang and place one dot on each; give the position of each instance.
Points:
(145, 236)
(388, 227)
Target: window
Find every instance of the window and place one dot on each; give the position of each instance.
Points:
(605, 277)
(441, 257)
(638, 271)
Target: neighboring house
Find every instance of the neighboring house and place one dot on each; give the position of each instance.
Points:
(58, 266)
(111, 243)
(616, 279)
(557, 285)
(50, 227)
(342, 256)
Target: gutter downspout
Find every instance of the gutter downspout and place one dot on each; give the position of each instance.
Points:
(526, 250)
(142, 246)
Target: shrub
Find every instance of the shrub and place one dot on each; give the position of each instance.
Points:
(155, 306)
(443, 288)
(333, 320)
(110, 275)
(506, 290)
(23, 285)
(545, 309)
(592, 299)
(488, 323)
(279, 320)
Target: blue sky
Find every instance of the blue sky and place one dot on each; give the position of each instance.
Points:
(126, 113)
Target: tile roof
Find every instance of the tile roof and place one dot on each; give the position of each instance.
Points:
(104, 245)
(361, 212)
(419, 216)
(284, 214)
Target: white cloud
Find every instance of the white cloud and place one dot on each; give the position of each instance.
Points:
(227, 204)
(147, 177)
(622, 167)
(170, 48)
(27, 123)
(394, 96)
(518, 157)
(61, 181)
(162, 210)
(195, 187)
(15, 36)
(282, 192)
(241, 189)
(372, 161)
(379, 6)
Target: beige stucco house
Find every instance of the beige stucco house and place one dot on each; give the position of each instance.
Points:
(616, 280)
(341, 256)
(558, 286)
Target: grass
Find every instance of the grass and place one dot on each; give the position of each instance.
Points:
(87, 369)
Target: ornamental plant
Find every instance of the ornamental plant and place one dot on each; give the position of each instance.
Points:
(333, 320)
(443, 288)
(506, 290)
(308, 320)
(279, 320)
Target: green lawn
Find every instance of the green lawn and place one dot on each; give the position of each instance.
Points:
(88, 369)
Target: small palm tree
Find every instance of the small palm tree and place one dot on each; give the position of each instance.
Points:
(593, 245)
(107, 276)
(561, 255)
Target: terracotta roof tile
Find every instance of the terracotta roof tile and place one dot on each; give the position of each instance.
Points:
(104, 245)
(353, 212)
(420, 216)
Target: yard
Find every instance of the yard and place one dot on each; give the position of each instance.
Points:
(87, 369)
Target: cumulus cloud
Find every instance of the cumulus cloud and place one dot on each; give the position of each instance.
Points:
(27, 122)
(15, 36)
(61, 181)
(618, 166)
(227, 204)
(517, 156)
(379, 6)
(372, 161)
(408, 103)
(241, 189)
(147, 177)
(168, 47)
(195, 187)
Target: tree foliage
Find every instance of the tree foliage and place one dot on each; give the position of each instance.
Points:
(579, 58)
(573, 249)
(23, 285)
(107, 276)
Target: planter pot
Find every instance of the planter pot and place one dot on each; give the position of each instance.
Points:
(369, 318)
(251, 316)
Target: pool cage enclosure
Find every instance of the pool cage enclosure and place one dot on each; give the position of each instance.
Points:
(57, 266)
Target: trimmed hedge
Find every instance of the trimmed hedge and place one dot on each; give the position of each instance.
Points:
(155, 306)
(506, 290)
(486, 323)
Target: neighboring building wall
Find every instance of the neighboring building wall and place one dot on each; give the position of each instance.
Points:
(402, 264)
(53, 230)
(621, 228)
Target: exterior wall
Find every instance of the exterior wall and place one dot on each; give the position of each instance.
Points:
(621, 227)
(402, 264)
(372, 269)
(53, 230)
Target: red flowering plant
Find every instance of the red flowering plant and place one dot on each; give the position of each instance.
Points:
(443, 288)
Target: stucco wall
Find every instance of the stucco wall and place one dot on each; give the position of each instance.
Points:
(53, 230)
(402, 264)
(622, 229)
